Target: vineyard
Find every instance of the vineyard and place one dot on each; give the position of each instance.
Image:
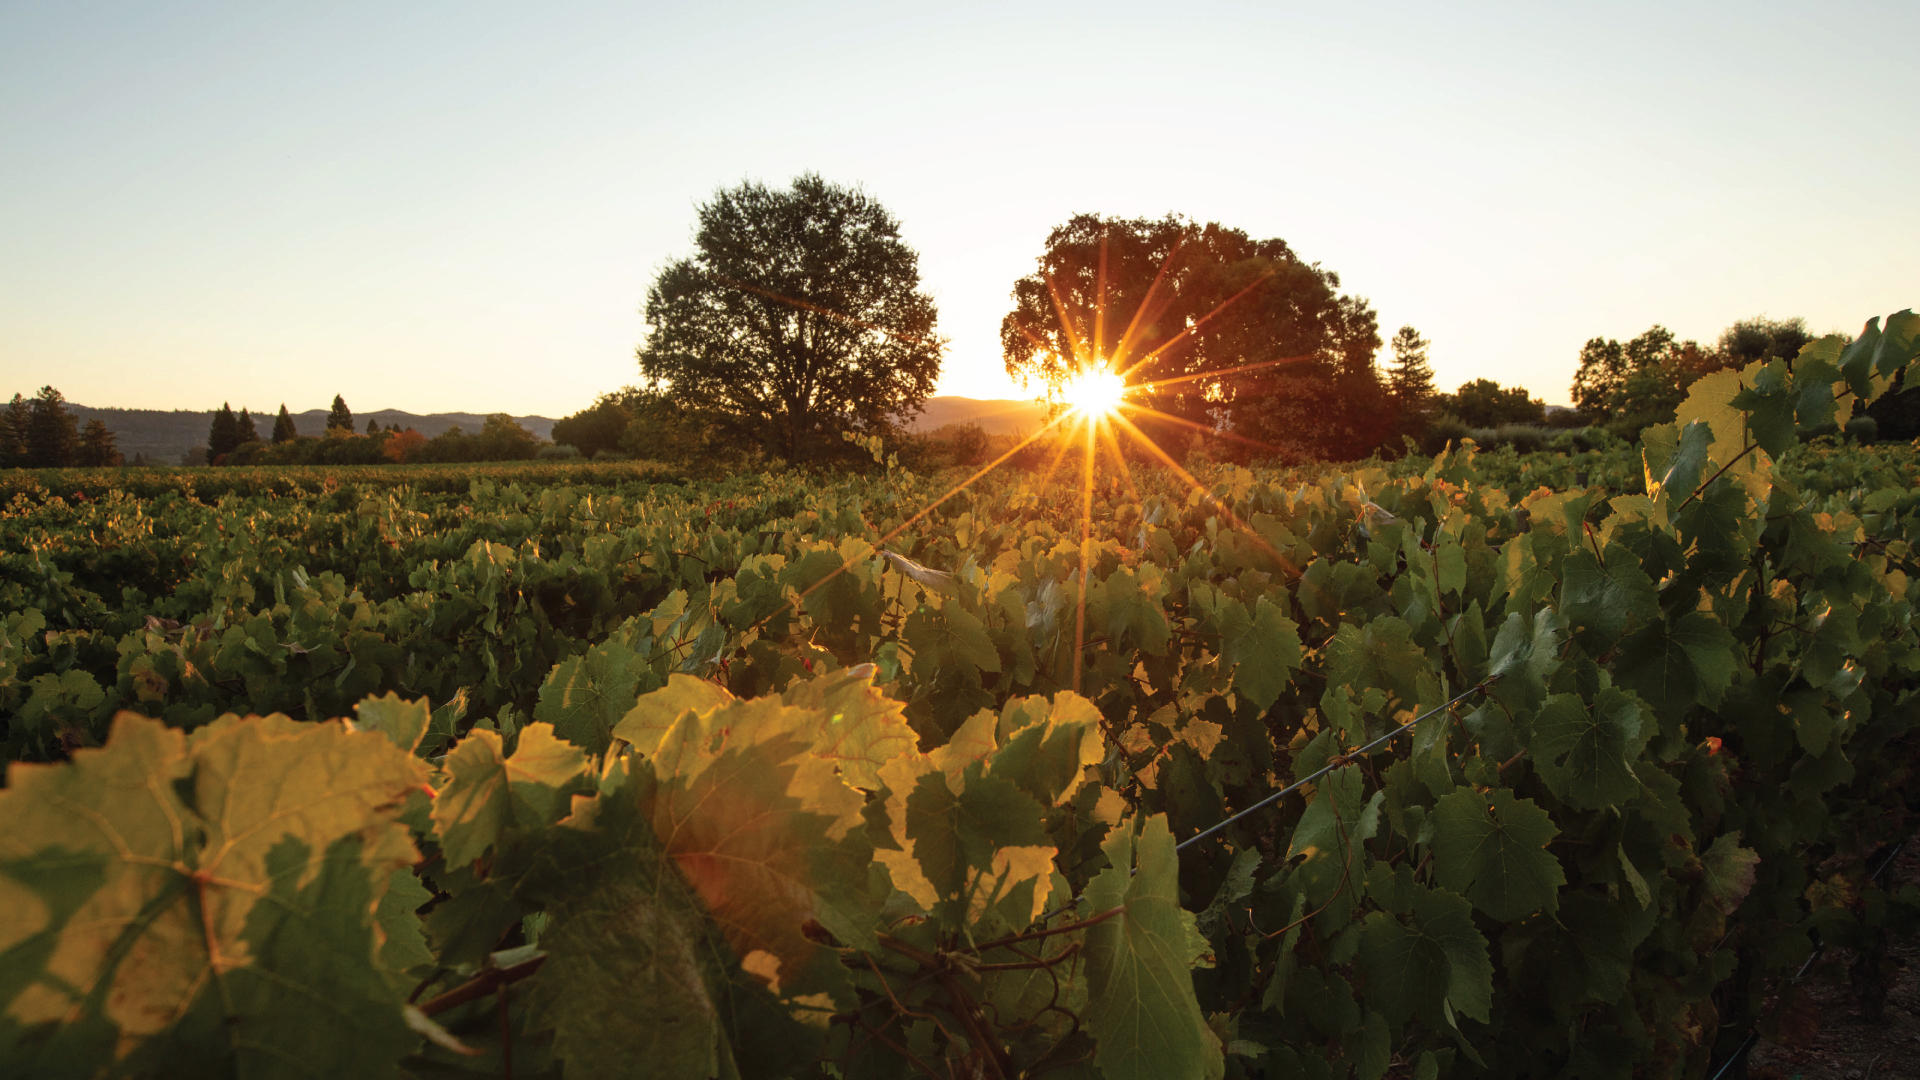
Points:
(1491, 765)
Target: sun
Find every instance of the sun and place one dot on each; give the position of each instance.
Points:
(1095, 392)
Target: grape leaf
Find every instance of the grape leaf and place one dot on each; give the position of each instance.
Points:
(1492, 848)
(957, 637)
(1585, 756)
(585, 696)
(1141, 1009)
(635, 970)
(860, 728)
(256, 842)
(647, 722)
(1600, 604)
(1434, 959)
(1673, 665)
(488, 793)
(401, 721)
(1730, 871)
(1263, 655)
(1047, 754)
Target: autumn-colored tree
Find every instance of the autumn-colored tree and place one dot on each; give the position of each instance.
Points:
(401, 446)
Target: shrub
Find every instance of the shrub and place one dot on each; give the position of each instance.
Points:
(558, 452)
(1863, 429)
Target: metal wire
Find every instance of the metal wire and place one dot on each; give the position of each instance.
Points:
(1339, 762)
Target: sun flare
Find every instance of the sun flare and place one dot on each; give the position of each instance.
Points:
(1096, 392)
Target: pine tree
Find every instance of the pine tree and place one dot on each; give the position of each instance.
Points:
(1411, 377)
(52, 437)
(97, 449)
(223, 435)
(283, 429)
(244, 431)
(373, 426)
(13, 433)
(340, 417)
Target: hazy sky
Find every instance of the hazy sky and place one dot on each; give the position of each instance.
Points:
(460, 206)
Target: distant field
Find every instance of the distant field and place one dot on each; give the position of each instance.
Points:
(208, 483)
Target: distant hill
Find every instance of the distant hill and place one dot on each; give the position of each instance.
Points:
(999, 416)
(165, 436)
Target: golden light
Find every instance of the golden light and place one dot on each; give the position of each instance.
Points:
(1095, 392)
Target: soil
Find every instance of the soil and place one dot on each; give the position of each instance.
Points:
(1834, 1036)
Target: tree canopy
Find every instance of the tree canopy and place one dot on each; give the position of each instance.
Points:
(1259, 341)
(800, 317)
(1485, 403)
(340, 416)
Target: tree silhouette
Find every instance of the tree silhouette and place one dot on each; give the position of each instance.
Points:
(799, 318)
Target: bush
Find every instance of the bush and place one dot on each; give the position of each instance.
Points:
(558, 452)
(1443, 429)
(1863, 429)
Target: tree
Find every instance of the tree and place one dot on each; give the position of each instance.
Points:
(283, 429)
(52, 437)
(402, 446)
(1410, 380)
(244, 430)
(340, 417)
(373, 426)
(1214, 328)
(223, 434)
(13, 432)
(1485, 403)
(1641, 382)
(598, 428)
(799, 318)
(97, 449)
(1761, 338)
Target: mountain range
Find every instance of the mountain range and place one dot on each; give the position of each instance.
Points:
(163, 438)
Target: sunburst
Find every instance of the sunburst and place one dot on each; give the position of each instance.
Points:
(1098, 398)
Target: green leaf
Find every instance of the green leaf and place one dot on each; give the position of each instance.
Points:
(1524, 655)
(1674, 665)
(1493, 849)
(1899, 344)
(1432, 960)
(957, 636)
(1141, 1009)
(1132, 613)
(290, 830)
(1768, 402)
(401, 721)
(488, 793)
(1263, 655)
(1586, 757)
(1680, 473)
(1815, 371)
(1048, 751)
(404, 947)
(585, 696)
(1601, 604)
(636, 970)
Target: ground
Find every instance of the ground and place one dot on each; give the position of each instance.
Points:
(1836, 1040)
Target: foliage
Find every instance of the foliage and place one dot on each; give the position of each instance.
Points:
(47, 435)
(284, 430)
(750, 778)
(97, 449)
(340, 418)
(1485, 403)
(1410, 379)
(800, 318)
(1249, 333)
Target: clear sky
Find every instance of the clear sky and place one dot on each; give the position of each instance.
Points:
(459, 206)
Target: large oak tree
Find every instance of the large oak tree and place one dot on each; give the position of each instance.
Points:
(1262, 341)
(800, 318)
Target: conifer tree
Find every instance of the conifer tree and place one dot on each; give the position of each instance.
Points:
(373, 426)
(97, 449)
(52, 436)
(283, 429)
(340, 417)
(223, 434)
(1411, 377)
(244, 430)
(13, 432)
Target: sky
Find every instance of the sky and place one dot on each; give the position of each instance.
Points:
(460, 206)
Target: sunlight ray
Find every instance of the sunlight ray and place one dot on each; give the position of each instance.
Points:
(1100, 302)
(1233, 519)
(1198, 323)
(1146, 304)
(1214, 374)
(1203, 428)
(1086, 544)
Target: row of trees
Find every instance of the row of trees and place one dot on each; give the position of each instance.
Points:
(229, 433)
(1631, 385)
(800, 318)
(39, 433)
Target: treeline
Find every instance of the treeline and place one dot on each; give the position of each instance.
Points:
(39, 433)
(235, 440)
